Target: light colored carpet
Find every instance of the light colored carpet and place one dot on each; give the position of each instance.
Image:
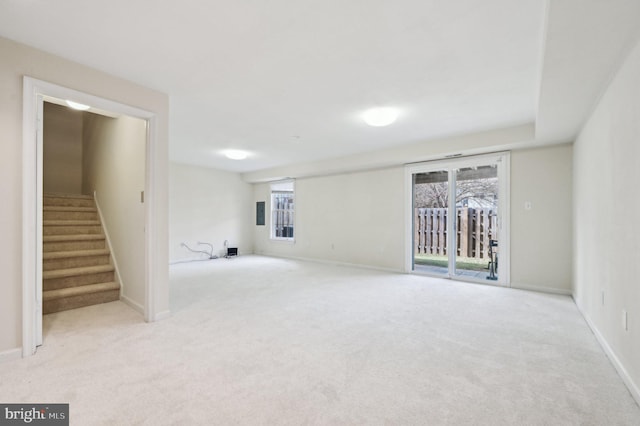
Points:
(262, 341)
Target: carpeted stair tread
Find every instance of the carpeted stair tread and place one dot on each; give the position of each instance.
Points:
(72, 237)
(72, 272)
(78, 291)
(69, 209)
(56, 195)
(68, 213)
(76, 270)
(75, 253)
(49, 200)
(68, 201)
(72, 222)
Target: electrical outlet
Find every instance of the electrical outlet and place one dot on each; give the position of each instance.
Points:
(527, 205)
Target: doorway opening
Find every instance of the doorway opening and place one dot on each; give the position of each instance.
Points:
(36, 93)
(459, 219)
(93, 170)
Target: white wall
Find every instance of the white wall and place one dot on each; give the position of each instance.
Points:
(607, 220)
(541, 247)
(19, 60)
(352, 218)
(211, 206)
(358, 218)
(114, 169)
(62, 149)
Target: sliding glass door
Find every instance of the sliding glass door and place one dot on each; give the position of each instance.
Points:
(476, 217)
(431, 192)
(459, 218)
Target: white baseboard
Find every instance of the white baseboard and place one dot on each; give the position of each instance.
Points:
(203, 258)
(162, 315)
(189, 260)
(334, 263)
(139, 308)
(542, 289)
(136, 306)
(634, 390)
(11, 354)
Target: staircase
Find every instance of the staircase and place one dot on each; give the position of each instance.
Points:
(76, 267)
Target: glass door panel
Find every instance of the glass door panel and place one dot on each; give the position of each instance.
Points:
(457, 225)
(476, 216)
(431, 193)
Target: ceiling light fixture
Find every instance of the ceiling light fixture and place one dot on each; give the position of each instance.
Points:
(379, 117)
(235, 154)
(76, 105)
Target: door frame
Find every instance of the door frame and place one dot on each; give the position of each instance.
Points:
(504, 160)
(34, 93)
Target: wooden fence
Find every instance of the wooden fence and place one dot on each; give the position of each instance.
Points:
(475, 227)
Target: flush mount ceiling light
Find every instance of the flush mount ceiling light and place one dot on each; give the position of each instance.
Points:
(76, 105)
(379, 117)
(235, 154)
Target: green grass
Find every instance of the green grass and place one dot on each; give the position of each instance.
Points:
(467, 263)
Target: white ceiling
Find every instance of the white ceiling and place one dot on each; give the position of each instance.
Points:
(287, 80)
(586, 42)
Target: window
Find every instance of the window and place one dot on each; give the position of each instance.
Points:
(282, 210)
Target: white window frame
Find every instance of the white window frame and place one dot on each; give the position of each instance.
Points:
(503, 159)
(279, 187)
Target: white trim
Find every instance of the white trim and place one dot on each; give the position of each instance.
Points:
(504, 272)
(150, 219)
(408, 221)
(30, 227)
(633, 388)
(542, 289)
(136, 306)
(39, 217)
(291, 240)
(285, 240)
(460, 278)
(33, 93)
(504, 268)
(333, 262)
(162, 315)
(109, 245)
(11, 354)
(206, 259)
(451, 225)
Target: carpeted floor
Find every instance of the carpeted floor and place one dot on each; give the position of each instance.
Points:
(261, 341)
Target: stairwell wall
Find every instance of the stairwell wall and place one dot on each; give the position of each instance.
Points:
(17, 61)
(114, 169)
(62, 150)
